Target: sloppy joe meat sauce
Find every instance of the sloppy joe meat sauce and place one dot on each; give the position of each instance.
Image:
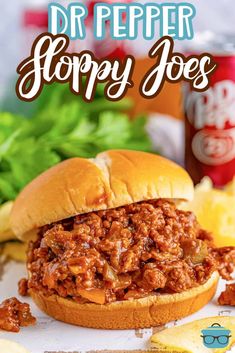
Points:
(14, 314)
(133, 251)
(228, 296)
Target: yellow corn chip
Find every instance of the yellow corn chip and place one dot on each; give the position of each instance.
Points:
(187, 338)
(215, 211)
(5, 229)
(11, 347)
(15, 251)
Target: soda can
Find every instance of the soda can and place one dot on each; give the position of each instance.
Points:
(210, 115)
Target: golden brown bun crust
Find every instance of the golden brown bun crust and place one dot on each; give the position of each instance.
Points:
(112, 179)
(129, 314)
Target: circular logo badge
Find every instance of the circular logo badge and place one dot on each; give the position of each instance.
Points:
(214, 147)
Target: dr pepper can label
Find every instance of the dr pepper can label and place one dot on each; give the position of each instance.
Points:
(210, 117)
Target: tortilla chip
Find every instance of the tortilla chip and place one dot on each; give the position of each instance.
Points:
(215, 211)
(15, 251)
(187, 338)
(5, 229)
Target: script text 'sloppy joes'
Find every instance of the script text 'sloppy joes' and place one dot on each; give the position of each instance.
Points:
(49, 62)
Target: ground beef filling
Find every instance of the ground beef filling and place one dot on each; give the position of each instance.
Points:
(14, 314)
(128, 252)
(228, 296)
(23, 287)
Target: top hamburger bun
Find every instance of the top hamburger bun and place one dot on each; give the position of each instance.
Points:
(112, 179)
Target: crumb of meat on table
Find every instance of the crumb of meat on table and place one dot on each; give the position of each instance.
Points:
(23, 287)
(228, 296)
(14, 314)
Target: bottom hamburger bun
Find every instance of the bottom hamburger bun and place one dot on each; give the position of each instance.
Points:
(130, 314)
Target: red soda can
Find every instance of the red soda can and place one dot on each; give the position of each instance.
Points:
(34, 22)
(210, 115)
(108, 47)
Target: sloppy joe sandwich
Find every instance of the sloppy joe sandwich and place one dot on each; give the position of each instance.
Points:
(112, 250)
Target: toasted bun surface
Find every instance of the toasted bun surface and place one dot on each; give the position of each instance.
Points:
(112, 179)
(137, 313)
